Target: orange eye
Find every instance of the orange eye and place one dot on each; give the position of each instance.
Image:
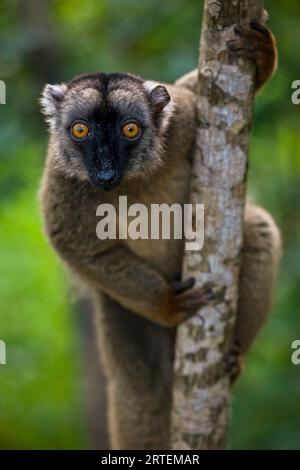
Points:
(80, 130)
(131, 130)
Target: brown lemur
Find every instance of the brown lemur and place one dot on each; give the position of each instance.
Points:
(116, 134)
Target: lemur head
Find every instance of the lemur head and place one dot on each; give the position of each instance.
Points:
(107, 127)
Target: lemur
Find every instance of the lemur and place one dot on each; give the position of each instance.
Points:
(117, 134)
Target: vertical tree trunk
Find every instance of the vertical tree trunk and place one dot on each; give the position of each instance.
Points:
(225, 103)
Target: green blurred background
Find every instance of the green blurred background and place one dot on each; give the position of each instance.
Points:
(43, 387)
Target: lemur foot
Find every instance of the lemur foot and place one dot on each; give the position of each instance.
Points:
(234, 362)
(257, 43)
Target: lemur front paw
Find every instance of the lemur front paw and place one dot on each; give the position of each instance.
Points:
(184, 301)
(234, 362)
(256, 43)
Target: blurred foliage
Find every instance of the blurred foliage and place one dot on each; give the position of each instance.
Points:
(40, 404)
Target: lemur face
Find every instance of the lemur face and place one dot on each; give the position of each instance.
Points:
(107, 126)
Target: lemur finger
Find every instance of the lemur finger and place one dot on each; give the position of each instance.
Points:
(242, 44)
(195, 299)
(234, 362)
(238, 30)
(258, 26)
(234, 45)
(255, 27)
(182, 286)
(249, 40)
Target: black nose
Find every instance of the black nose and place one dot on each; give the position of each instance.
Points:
(105, 179)
(107, 176)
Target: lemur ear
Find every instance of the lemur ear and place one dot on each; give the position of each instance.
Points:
(160, 98)
(158, 94)
(52, 96)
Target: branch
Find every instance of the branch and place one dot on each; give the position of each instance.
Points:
(225, 104)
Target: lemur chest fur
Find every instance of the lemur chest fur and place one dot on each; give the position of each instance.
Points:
(169, 186)
(173, 187)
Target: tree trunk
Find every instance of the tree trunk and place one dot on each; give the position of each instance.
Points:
(225, 104)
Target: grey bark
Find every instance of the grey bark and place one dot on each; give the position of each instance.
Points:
(225, 104)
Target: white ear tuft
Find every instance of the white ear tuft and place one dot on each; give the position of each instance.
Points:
(51, 97)
(149, 85)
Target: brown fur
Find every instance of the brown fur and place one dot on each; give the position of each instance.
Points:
(131, 281)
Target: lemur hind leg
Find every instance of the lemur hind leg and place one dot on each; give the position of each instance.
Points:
(137, 357)
(260, 259)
